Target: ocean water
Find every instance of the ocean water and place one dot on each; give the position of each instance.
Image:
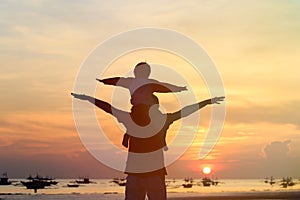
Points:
(107, 190)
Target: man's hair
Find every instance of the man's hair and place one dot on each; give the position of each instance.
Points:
(142, 70)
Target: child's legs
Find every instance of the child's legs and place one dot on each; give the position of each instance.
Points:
(125, 140)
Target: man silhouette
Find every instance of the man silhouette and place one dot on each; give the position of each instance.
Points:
(147, 127)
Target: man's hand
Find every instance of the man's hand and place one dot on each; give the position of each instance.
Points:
(217, 100)
(183, 88)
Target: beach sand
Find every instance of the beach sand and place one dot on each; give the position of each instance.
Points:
(294, 195)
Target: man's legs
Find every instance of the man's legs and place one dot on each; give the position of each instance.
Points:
(156, 187)
(135, 188)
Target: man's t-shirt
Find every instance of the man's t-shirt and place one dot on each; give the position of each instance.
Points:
(146, 143)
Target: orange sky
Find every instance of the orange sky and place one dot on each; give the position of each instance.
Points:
(255, 46)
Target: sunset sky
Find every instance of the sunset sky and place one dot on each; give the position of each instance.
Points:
(255, 46)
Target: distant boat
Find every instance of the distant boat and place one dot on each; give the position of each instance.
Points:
(84, 180)
(34, 184)
(46, 180)
(115, 180)
(122, 183)
(206, 182)
(38, 182)
(119, 181)
(285, 182)
(271, 181)
(4, 179)
(266, 180)
(73, 185)
(216, 182)
(188, 183)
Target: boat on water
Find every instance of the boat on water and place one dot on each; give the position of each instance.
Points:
(4, 179)
(271, 181)
(38, 182)
(119, 181)
(45, 180)
(34, 184)
(122, 183)
(73, 185)
(188, 183)
(84, 180)
(285, 182)
(206, 182)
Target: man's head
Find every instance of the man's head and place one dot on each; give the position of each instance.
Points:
(142, 113)
(142, 70)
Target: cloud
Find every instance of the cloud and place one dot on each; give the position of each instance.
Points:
(277, 160)
(277, 150)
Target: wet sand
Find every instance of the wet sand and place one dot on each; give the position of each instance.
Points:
(292, 195)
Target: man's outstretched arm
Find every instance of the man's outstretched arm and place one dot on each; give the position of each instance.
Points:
(100, 104)
(194, 107)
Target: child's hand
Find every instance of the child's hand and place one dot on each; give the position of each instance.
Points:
(80, 96)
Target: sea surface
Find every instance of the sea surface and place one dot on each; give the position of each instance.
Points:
(107, 190)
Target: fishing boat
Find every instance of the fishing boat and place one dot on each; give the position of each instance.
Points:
(271, 181)
(38, 182)
(34, 184)
(122, 182)
(285, 182)
(4, 179)
(119, 181)
(215, 182)
(45, 180)
(188, 183)
(206, 182)
(73, 185)
(84, 180)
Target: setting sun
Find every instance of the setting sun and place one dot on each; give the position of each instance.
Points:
(206, 170)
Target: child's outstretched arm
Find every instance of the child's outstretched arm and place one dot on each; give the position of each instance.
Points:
(166, 87)
(109, 81)
(117, 81)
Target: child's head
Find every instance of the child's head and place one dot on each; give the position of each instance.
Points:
(142, 70)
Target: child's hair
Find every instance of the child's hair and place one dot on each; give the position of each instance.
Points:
(142, 70)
